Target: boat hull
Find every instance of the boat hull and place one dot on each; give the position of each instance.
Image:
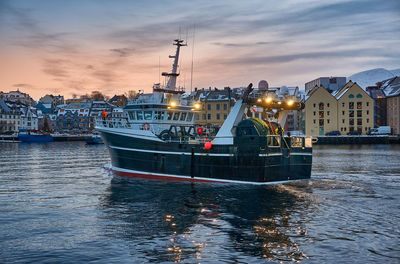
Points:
(35, 138)
(139, 157)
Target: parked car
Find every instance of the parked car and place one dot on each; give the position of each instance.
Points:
(333, 133)
(382, 130)
(354, 133)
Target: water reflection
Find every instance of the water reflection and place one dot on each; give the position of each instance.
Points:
(168, 221)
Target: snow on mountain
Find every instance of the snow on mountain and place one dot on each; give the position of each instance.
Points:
(396, 72)
(371, 77)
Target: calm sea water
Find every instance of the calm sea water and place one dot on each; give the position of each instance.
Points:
(57, 205)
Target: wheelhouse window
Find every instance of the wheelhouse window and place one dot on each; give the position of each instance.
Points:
(183, 116)
(147, 115)
(169, 115)
(132, 115)
(176, 116)
(189, 117)
(157, 115)
(139, 115)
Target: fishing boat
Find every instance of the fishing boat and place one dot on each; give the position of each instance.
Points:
(160, 139)
(34, 136)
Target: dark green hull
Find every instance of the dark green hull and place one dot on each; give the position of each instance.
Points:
(240, 162)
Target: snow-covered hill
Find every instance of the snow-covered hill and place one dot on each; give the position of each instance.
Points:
(371, 77)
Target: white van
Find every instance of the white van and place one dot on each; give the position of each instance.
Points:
(382, 130)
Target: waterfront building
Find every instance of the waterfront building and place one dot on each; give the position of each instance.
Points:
(391, 88)
(29, 118)
(118, 100)
(320, 112)
(215, 106)
(380, 105)
(355, 109)
(10, 120)
(73, 117)
(347, 109)
(329, 83)
(52, 100)
(19, 97)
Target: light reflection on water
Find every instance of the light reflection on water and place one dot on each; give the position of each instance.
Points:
(57, 204)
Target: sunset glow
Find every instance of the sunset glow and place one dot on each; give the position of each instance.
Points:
(76, 47)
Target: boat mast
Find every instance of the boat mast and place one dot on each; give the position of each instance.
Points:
(171, 85)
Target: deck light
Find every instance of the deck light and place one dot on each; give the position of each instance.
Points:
(197, 106)
(259, 100)
(290, 102)
(172, 104)
(268, 100)
(279, 102)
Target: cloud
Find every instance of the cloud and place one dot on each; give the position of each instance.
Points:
(123, 52)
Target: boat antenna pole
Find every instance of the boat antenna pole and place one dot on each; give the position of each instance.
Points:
(191, 69)
(171, 85)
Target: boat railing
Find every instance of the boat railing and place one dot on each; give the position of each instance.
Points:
(112, 123)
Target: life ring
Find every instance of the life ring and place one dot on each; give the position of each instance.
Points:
(146, 126)
(200, 130)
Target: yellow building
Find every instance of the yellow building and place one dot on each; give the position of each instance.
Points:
(355, 109)
(348, 109)
(215, 107)
(320, 112)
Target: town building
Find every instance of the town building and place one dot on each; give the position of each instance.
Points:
(73, 117)
(10, 120)
(320, 112)
(380, 105)
(52, 100)
(329, 83)
(215, 106)
(391, 87)
(355, 109)
(347, 109)
(29, 118)
(19, 97)
(118, 100)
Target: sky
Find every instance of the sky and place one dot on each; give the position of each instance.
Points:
(79, 46)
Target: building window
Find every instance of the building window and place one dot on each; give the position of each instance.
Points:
(367, 103)
(314, 121)
(359, 105)
(321, 114)
(351, 105)
(208, 106)
(328, 112)
(351, 122)
(328, 121)
(367, 120)
(342, 112)
(196, 116)
(209, 116)
(343, 121)
(225, 116)
(218, 116)
(204, 116)
(342, 104)
(321, 122)
(218, 107)
(225, 106)
(315, 113)
(367, 112)
(321, 106)
(328, 104)
(351, 113)
(359, 113)
(359, 122)
(314, 105)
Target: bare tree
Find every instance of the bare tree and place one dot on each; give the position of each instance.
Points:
(131, 94)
